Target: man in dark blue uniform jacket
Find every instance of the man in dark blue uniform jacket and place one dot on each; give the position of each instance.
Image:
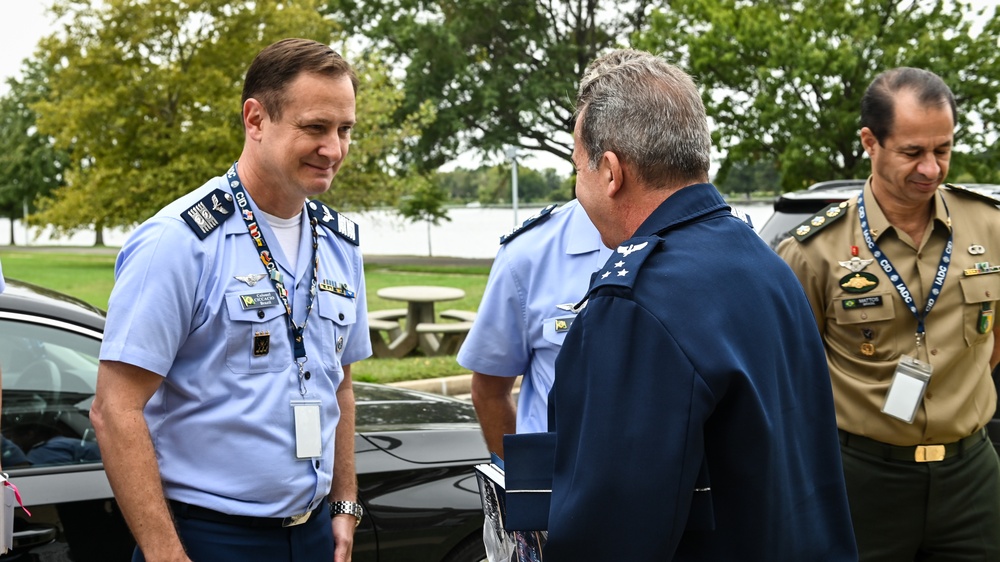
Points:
(692, 402)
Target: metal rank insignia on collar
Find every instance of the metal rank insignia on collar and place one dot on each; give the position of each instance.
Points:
(261, 343)
(336, 288)
(982, 268)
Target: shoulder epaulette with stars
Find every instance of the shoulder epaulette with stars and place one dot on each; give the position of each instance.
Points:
(535, 219)
(819, 221)
(343, 226)
(962, 190)
(622, 266)
(207, 214)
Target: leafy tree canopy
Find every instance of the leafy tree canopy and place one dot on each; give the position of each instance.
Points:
(782, 81)
(31, 166)
(499, 72)
(147, 94)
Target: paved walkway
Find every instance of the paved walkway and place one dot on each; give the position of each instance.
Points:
(458, 386)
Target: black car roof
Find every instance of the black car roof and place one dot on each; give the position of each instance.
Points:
(23, 297)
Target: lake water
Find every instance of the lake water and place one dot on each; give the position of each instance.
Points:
(472, 232)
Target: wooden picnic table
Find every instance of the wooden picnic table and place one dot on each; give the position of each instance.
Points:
(420, 329)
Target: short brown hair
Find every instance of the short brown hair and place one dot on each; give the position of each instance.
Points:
(280, 63)
(879, 102)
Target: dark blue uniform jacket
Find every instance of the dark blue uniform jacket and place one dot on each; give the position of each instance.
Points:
(692, 404)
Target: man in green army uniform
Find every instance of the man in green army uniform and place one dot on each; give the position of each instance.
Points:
(903, 282)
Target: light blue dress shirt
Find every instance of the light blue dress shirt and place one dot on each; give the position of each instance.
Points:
(519, 329)
(222, 421)
(3, 285)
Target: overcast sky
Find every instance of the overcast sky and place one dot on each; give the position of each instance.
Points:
(28, 22)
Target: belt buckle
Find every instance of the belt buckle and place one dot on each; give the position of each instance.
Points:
(928, 453)
(296, 519)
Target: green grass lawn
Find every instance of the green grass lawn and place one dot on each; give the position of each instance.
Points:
(89, 276)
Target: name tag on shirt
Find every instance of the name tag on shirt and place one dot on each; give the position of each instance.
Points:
(251, 301)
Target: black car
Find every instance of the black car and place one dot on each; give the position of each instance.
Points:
(415, 451)
(793, 208)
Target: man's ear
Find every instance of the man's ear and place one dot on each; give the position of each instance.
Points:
(253, 118)
(612, 173)
(868, 141)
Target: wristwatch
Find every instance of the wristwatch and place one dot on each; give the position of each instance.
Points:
(350, 508)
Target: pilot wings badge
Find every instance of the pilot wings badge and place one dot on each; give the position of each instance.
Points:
(631, 248)
(250, 279)
(856, 264)
(217, 205)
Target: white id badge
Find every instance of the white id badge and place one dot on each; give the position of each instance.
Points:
(909, 383)
(308, 437)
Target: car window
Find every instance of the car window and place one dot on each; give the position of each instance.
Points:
(49, 377)
(780, 226)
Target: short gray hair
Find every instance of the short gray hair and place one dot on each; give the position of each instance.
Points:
(649, 113)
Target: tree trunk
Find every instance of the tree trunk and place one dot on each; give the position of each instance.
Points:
(12, 243)
(99, 233)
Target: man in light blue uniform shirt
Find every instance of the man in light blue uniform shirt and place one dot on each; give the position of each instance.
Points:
(540, 271)
(224, 398)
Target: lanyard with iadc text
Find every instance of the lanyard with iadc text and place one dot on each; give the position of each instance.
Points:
(296, 331)
(897, 280)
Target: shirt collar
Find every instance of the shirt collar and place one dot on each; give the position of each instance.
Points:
(877, 222)
(583, 237)
(685, 204)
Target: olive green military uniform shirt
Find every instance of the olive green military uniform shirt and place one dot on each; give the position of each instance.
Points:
(866, 326)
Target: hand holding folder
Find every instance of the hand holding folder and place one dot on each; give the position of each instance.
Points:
(516, 496)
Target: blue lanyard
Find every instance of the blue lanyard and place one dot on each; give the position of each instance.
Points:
(277, 279)
(897, 280)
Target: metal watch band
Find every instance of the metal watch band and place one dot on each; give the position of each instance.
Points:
(350, 508)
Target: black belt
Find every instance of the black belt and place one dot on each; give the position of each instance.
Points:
(913, 453)
(188, 511)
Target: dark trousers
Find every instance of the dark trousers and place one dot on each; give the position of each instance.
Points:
(946, 511)
(210, 541)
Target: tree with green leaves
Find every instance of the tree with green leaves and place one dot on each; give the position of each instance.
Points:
(147, 92)
(782, 81)
(498, 72)
(31, 165)
(425, 203)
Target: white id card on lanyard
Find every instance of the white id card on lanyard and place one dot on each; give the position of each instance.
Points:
(909, 383)
(308, 437)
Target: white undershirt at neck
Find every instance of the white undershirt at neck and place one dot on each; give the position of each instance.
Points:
(289, 233)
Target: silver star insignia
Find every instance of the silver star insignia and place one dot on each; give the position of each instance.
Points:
(605, 275)
(631, 248)
(619, 264)
(855, 264)
(623, 273)
(250, 279)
